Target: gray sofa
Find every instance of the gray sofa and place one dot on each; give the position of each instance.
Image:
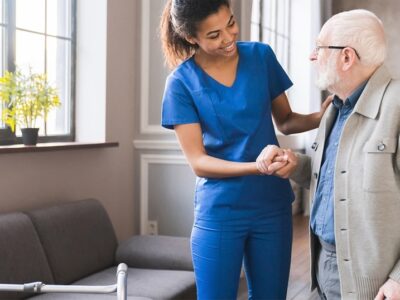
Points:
(75, 243)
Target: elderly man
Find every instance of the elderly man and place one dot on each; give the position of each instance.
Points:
(354, 176)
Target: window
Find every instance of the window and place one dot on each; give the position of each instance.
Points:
(290, 27)
(40, 35)
(270, 23)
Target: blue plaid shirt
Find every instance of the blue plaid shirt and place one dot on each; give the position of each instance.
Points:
(322, 213)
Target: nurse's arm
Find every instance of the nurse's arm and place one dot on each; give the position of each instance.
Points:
(289, 122)
(204, 165)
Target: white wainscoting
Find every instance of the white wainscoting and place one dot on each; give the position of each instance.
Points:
(145, 161)
(156, 145)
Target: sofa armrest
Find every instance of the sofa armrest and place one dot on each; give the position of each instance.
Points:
(156, 252)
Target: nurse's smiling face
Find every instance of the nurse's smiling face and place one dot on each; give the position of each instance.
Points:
(217, 34)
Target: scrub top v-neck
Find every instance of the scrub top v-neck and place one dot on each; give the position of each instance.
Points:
(216, 82)
(236, 124)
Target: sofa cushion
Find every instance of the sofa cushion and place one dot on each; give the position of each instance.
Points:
(156, 252)
(154, 284)
(22, 258)
(78, 238)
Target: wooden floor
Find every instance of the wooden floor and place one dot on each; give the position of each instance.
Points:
(299, 280)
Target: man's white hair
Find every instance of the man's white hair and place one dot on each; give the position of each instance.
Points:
(361, 30)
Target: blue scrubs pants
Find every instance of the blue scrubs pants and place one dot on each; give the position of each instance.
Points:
(264, 245)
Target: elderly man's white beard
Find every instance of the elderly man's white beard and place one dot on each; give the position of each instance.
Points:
(327, 79)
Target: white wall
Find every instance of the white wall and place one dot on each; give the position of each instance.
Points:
(388, 12)
(91, 70)
(31, 180)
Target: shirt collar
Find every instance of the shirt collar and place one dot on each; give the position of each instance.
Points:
(352, 100)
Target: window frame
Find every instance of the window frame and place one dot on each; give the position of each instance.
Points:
(9, 52)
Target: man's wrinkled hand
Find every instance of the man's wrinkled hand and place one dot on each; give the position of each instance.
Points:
(390, 290)
(290, 166)
(271, 159)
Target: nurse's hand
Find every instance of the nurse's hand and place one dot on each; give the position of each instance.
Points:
(286, 170)
(325, 105)
(271, 159)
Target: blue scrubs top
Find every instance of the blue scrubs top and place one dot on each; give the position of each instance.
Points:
(236, 124)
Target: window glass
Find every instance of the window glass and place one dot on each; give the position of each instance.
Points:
(30, 51)
(38, 37)
(30, 14)
(1, 11)
(2, 49)
(58, 56)
(58, 18)
(270, 24)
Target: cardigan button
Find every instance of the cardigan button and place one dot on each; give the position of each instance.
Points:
(315, 175)
(381, 146)
(314, 146)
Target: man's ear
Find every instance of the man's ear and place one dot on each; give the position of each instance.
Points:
(348, 58)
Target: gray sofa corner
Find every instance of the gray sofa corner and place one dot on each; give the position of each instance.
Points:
(75, 243)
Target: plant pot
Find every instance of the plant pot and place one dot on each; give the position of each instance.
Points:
(29, 136)
(7, 137)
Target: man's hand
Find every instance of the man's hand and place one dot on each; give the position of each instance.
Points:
(286, 170)
(276, 161)
(271, 157)
(390, 290)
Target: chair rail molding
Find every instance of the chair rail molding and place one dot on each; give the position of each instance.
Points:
(145, 161)
(156, 145)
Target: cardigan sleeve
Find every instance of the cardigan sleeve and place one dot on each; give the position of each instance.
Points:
(395, 274)
(302, 174)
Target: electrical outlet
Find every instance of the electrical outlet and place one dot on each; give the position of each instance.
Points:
(152, 227)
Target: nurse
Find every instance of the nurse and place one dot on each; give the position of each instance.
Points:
(219, 100)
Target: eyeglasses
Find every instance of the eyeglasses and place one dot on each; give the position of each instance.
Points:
(316, 50)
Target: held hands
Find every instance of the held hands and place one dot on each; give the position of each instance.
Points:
(276, 161)
(390, 290)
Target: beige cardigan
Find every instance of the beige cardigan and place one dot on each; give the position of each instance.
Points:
(366, 188)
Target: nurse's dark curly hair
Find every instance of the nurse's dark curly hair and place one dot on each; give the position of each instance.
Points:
(178, 21)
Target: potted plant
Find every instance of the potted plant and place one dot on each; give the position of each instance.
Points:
(7, 137)
(27, 98)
